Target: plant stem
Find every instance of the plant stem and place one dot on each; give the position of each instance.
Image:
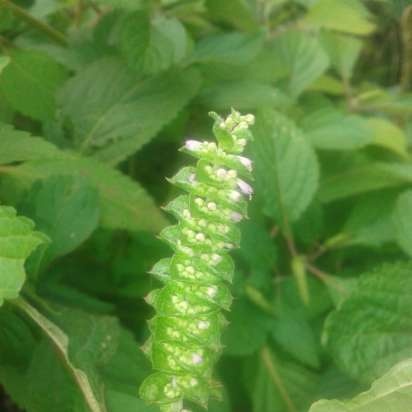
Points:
(32, 21)
(270, 365)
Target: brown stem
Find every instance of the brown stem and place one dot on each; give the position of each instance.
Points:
(32, 21)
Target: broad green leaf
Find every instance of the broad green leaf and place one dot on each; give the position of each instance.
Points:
(369, 332)
(152, 46)
(89, 360)
(65, 208)
(343, 51)
(388, 135)
(330, 129)
(232, 48)
(278, 385)
(247, 330)
(302, 58)
(241, 94)
(121, 117)
(348, 16)
(295, 335)
(370, 221)
(287, 170)
(124, 203)
(364, 178)
(17, 242)
(17, 146)
(402, 217)
(391, 392)
(29, 83)
(238, 13)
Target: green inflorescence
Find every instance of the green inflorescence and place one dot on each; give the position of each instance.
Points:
(185, 332)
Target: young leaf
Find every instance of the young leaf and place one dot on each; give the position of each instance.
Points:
(151, 47)
(349, 16)
(17, 242)
(302, 58)
(368, 333)
(30, 81)
(392, 391)
(287, 170)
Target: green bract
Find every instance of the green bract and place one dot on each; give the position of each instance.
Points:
(185, 333)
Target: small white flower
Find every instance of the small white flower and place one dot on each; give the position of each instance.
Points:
(211, 291)
(245, 188)
(245, 162)
(221, 173)
(236, 217)
(193, 145)
(192, 178)
(234, 195)
(196, 359)
(232, 173)
(216, 258)
(211, 206)
(203, 325)
(200, 237)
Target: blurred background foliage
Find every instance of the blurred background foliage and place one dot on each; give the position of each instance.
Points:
(97, 96)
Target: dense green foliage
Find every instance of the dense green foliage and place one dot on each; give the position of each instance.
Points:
(96, 98)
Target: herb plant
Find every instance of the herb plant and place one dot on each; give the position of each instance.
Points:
(97, 97)
(185, 341)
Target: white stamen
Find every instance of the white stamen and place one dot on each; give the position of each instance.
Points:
(203, 324)
(196, 359)
(234, 195)
(211, 206)
(245, 188)
(236, 217)
(221, 173)
(245, 162)
(193, 145)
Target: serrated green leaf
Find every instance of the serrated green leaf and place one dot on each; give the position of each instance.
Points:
(17, 146)
(121, 118)
(238, 13)
(241, 94)
(388, 135)
(302, 58)
(286, 167)
(17, 242)
(330, 129)
(66, 209)
(364, 178)
(295, 336)
(370, 221)
(368, 333)
(402, 217)
(343, 51)
(393, 391)
(231, 48)
(349, 16)
(124, 203)
(29, 83)
(152, 46)
(247, 330)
